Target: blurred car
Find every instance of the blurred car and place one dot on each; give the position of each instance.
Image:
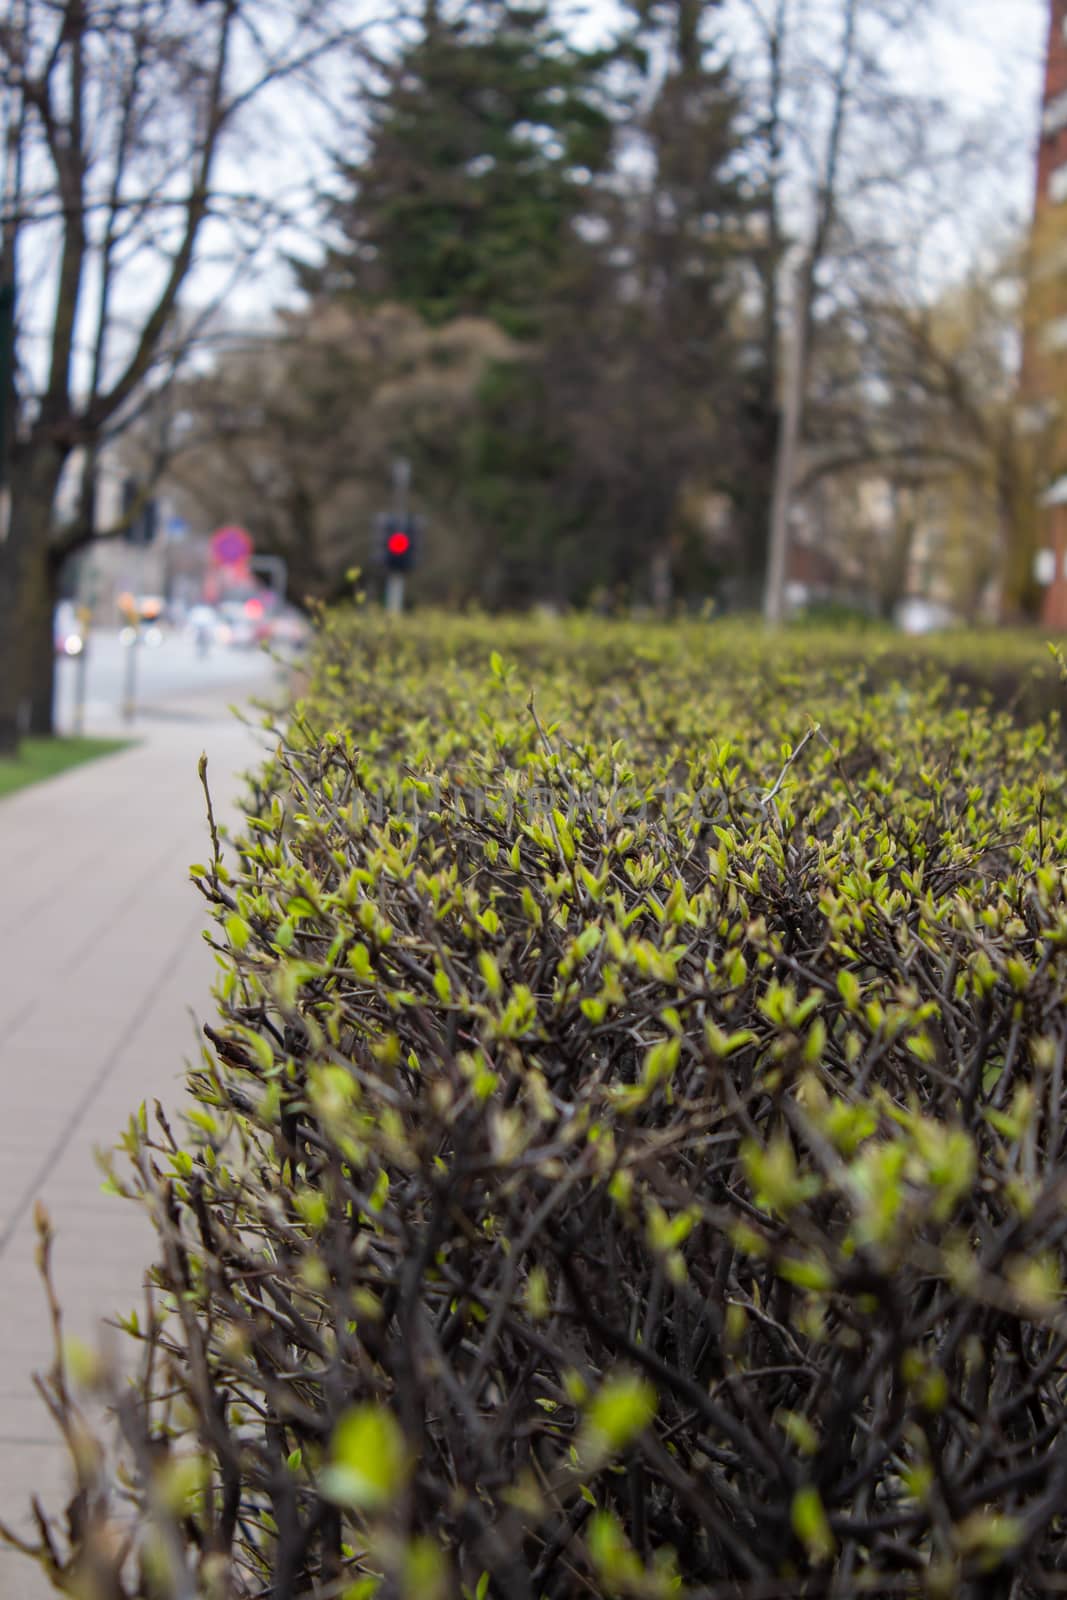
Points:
(68, 630)
(258, 611)
(272, 621)
(236, 627)
(919, 616)
(290, 627)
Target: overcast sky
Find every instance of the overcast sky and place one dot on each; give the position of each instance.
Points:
(988, 61)
(985, 61)
(999, 52)
(996, 60)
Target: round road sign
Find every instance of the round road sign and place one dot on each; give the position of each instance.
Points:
(231, 545)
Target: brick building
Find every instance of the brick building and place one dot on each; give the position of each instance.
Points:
(1044, 377)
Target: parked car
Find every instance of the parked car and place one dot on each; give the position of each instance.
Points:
(290, 627)
(918, 616)
(236, 627)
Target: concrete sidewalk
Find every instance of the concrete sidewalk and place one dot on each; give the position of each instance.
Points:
(104, 979)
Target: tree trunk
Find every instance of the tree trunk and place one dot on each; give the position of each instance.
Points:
(10, 675)
(892, 579)
(661, 578)
(1021, 523)
(750, 495)
(38, 642)
(785, 465)
(27, 599)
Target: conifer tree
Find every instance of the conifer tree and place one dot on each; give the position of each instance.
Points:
(668, 357)
(588, 201)
(481, 151)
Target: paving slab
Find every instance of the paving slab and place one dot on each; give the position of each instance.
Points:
(105, 979)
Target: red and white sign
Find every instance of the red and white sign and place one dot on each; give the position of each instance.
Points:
(231, 546)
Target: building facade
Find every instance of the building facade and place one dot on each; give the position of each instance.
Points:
(1044, 375)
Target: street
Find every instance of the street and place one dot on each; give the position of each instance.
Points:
(163, 673)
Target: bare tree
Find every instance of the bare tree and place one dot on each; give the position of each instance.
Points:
(130, 129)
(930, 402)
(303, 421)
(860, 153)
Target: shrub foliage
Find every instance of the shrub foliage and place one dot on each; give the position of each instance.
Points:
(629, 1159)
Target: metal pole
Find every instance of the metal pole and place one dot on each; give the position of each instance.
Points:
(785, 466)
(81, 673)
(129, 695)
(129, 692)
(401, 486)
(394, 582)
(394, 593)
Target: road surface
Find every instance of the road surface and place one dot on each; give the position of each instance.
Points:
(166, 673)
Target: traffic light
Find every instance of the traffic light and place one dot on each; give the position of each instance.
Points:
(398, 544)
(150, 522)
(144, 525)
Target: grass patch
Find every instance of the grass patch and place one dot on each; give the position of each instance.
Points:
(47, 758)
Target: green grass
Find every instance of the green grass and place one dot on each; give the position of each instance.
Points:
(46, 758)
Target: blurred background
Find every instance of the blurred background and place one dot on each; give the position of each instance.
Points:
(751, 305)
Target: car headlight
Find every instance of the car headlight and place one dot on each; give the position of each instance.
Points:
(73, 644)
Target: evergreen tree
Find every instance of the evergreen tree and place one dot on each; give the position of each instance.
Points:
(481, 153)
(511, 175)
(690, 242)
(665, 354)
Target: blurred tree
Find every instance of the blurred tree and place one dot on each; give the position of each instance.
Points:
(482, 146)
(923, 393)
(117, 116)
(298, 427)
(583, 199)
(857, 157)
(670, 365)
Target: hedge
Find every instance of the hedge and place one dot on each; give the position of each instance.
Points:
(628, 1159)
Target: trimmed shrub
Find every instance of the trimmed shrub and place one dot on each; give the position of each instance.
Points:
(629, 1156)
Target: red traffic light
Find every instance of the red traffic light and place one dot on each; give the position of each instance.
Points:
(398, 543)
